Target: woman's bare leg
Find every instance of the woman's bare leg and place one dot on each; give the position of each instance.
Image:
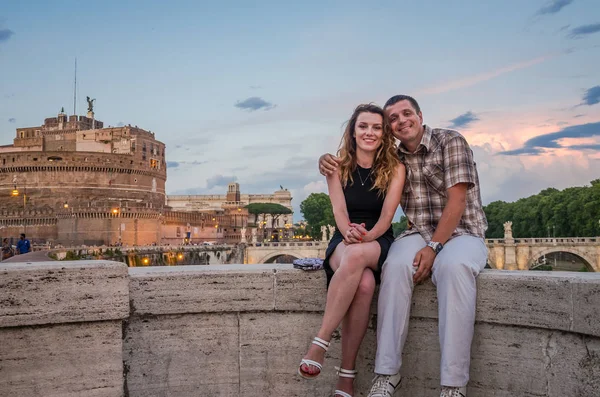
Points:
(353, 260)
(354, 327)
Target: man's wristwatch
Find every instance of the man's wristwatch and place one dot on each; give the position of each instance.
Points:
(435, 246)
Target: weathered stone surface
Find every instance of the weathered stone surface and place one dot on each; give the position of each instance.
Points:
(521, 298)
(297, 290)
(424, 301)
(182, 355)
(586, 304)
(506, 362)
(62, 292)
(67, 360)
(200, 289)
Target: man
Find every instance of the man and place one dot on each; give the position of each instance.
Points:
(23, 245)
(445, 239)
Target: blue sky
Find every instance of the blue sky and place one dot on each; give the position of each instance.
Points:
(256, 91)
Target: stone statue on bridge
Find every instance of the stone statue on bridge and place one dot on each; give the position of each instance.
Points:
(323, 233)
(331, 230)
(243, 232)
(508, 230)
(254, 241)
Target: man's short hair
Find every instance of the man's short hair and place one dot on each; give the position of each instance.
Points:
(23, 235)
(397, 98)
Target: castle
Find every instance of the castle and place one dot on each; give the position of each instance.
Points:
(71, 181)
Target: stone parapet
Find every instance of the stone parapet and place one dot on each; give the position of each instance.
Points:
(61, 328)
(86, 329)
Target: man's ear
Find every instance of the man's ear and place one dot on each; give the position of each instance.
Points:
(420, 114)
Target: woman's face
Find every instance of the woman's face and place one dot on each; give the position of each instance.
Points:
(368, 131)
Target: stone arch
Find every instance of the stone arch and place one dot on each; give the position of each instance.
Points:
(270, 257)
(273, 258)
(588, 261)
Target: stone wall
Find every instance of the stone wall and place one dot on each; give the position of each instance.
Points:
(86, 329)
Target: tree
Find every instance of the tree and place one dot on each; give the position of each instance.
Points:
(571, 212)
(317, 211)
(264, 209)
(400, 226)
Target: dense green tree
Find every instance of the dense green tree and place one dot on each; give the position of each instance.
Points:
(264, 209)
(317, 211)
(572, 212)
(399, 226)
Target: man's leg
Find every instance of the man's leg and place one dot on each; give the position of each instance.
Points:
(454, 272)
(393, 307)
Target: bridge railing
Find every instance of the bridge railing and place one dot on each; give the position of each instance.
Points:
(290, 244)
(544, 240)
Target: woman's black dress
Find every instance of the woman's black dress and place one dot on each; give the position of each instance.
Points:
(364, 206)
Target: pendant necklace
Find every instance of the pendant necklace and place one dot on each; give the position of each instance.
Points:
(362, 182)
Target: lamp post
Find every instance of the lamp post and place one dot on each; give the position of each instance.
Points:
(15, 193)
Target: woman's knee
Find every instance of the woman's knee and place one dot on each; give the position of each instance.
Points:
(366, 286)
(354, 258)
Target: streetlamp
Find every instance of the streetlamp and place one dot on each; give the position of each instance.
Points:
(15, 193)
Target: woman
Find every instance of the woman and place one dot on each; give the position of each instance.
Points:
(365, 193)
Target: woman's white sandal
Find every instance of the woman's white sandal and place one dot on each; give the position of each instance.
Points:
(344, 373)
(323, 344)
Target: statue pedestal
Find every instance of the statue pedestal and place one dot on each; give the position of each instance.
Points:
(90, 114)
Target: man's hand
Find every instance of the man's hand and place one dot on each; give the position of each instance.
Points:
(328, 164)
(423, 262)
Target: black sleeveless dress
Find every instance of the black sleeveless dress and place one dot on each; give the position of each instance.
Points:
(364, 206)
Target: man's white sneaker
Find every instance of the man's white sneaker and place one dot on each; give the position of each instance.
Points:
(385, 385)
(453, 391)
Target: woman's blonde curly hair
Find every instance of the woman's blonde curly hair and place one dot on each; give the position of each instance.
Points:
(386, 158)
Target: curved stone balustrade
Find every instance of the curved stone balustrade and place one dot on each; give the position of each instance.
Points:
(96, 328)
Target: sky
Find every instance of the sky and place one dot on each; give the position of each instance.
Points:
(255, 92)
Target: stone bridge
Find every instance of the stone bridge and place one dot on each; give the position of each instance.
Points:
(523, 253)
(270, 252)
(507, 253)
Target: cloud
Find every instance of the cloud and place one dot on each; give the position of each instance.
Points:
(463, 120)
(553, 7)
(586, 147)
(478, 78)
(172, 164)
(12, 120)
(536, 144)
(592, 96)
(254, 103)
(563, 28)
(120, 124)
(578, 116)
(5, 34)
(255, 87)
(219, 180)
(510, 178)
(584, 30)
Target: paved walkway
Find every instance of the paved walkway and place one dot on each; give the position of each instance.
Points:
(36, 256)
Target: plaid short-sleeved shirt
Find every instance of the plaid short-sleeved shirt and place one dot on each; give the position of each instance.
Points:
(442, 160)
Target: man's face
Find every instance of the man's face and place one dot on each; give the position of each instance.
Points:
(406, 123)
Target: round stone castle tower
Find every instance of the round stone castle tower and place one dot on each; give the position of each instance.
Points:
(72, 181)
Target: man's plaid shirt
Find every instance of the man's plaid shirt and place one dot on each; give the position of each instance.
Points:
(442, 160)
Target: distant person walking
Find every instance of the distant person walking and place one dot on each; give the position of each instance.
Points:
(23, 246)
(7, 249)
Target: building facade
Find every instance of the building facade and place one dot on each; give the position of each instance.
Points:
(232, 206)
(71, 181)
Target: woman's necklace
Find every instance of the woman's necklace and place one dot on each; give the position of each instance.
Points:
(362, 181)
